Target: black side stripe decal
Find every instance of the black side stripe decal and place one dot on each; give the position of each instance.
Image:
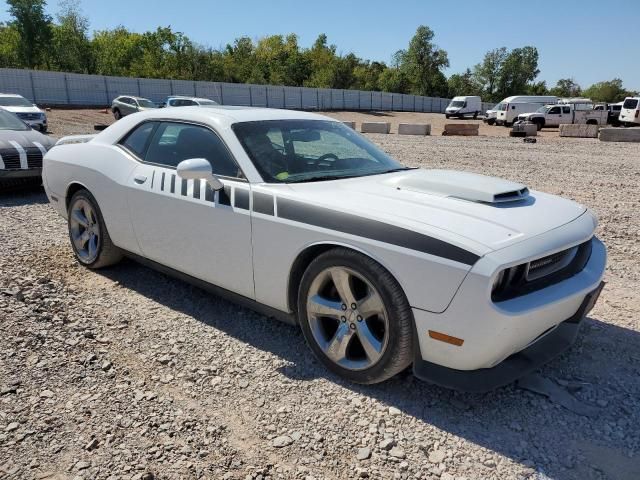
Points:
(184, 187)
(209, 194)
(372, 229)
(162, 183)
(224, 196)
(196, 188)
(262, 203)
(241, 199)
(153, 176)
(173, 183)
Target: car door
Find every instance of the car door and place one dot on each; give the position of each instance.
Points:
(184, 224)
(553, 116)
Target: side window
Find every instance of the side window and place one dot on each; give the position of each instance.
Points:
(175, 142)
(188, 103)
(554, 111)
(138, 139)
(173, 102)
(566, 110)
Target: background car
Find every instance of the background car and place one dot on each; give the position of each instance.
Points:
(21, 151)
(180, 101)
(23, 108)
(126, 105)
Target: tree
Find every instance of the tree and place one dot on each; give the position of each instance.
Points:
(117, 51)
(9, 41)
(610, 91)
(538, 88)
(423, 62)
(34, 28)
(463, 84)
(487, 73)
(519, 68)
(71, 48)
(566, 87)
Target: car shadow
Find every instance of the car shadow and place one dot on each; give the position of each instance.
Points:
(555, 442)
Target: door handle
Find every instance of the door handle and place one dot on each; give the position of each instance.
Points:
(140, 179)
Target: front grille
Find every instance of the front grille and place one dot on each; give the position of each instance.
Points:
(11, 158)
(29, 116)
(542, 272)
(34, 157)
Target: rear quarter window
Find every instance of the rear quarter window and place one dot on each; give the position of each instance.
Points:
(138, 139)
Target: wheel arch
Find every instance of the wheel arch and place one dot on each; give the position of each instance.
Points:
(310, 252)
(72, 188)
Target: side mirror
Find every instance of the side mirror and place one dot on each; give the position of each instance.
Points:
(198, 169)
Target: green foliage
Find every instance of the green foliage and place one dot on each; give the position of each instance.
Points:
(611, 91)
(422, 64)
(9, 41)
(34, 29)
(464, 84)
(567, 88)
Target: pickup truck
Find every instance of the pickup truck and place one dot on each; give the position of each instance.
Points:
(555, 115)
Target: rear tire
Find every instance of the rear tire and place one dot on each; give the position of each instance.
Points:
(90, 240)
(355, 317)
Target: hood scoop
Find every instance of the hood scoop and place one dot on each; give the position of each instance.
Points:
(463, 185)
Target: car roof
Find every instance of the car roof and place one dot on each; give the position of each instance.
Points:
(220, 116)
(10, 95)
(190, 98)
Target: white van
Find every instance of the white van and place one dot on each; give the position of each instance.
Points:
(630, 112)
(461, 106)
(509, 108)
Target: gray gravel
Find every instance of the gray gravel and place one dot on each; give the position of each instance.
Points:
(127, 374)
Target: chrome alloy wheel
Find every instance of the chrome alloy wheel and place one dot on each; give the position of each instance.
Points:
(85, 231)
(348, 319)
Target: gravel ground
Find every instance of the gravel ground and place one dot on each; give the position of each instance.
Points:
(127, 374)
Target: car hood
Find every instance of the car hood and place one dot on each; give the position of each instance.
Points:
(26, 139)
(475, 212)
(23, 109)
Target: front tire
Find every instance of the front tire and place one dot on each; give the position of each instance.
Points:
(116, 114)
(90, 240)
(355, 317)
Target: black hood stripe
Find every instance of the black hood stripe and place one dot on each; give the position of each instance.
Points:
(372, 229)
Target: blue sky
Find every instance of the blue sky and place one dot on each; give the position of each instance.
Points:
(574, 38)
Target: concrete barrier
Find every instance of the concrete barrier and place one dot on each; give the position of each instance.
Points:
(620, 134)
(466, 129)
(350, 124)
(579, 130)
(524, 130)
(414, 129)
(375, 127)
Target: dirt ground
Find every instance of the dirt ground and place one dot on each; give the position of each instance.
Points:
(124, 373)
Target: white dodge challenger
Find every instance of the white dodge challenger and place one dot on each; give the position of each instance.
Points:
(473, 280)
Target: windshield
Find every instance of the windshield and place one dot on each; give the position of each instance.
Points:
(457, 103)
(14, 102)
(9, 121)
(543, 109)
(500, 107)
(290, 151)
(144, 103)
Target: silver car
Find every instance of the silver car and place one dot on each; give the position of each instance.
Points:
(125, 105)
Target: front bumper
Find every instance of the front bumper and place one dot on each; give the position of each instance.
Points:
(20, 173)
(493, 331)
(541, 351)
